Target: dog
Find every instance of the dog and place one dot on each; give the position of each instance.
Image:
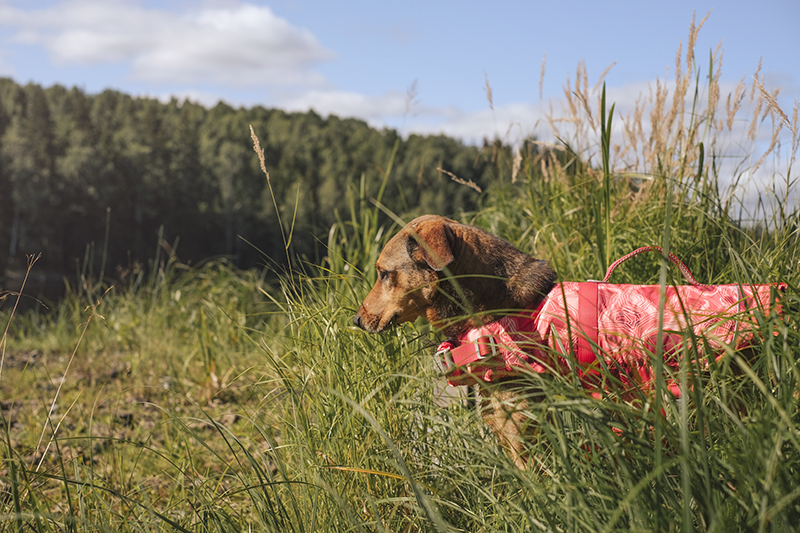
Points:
(504, 311)
(458, 277)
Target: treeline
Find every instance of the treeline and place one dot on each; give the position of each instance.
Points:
(74, 164)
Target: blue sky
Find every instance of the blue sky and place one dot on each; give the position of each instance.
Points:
(364, 58)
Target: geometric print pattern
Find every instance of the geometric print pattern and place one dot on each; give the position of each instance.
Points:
(581, 324)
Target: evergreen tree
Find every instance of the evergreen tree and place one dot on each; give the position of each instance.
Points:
(189, 174)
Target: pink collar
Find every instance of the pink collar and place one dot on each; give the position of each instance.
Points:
(474, 353)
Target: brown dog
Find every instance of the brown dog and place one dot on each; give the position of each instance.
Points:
(455, 276)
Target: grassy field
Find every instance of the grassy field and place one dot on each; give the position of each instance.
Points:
(207, 399)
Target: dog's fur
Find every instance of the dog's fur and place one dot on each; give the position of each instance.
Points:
(491, 278)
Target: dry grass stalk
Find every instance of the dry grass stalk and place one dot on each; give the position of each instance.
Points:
(541, 75)
(51, 411)
(548, 146)
(672, 131)
(779, 120)
(585, 79)
(31, 261)
(545, 170)
(517, 165)
(679, 94)
(572, 108)
(753, 129)
(675, 118)
(772, 144)
(657, 120)
(629, 136)
(469, 183)
(663, 129)
(602, 77)
(552, 121)
(713, 85)
(588, 110)
(693, 31)
(412, 96)
(795, 138)
(755, 80)
(661, 133)
(734, 102)
(620, 151)
(773, 104)
(582, 93)
(632, 132)
(488, 91)
(259, 151)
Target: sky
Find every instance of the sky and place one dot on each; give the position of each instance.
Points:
(416, 66)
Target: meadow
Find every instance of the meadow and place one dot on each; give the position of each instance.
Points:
(207, 398)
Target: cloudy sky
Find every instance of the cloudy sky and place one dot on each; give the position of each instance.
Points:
(368, 58)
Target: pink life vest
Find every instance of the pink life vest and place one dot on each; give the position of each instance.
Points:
(578, 325)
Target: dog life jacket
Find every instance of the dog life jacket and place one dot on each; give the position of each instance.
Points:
(580, 326)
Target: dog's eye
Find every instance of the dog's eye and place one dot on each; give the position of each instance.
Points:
(384, 275)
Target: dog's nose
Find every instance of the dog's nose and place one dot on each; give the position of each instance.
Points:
(357, 321)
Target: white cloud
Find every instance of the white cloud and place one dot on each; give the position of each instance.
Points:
(240, 44)
(511, 122)
(378, 110)
(348, 104)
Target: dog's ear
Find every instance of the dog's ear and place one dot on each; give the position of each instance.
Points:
(431, 241)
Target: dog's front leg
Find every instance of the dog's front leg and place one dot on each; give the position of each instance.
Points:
(503, 409)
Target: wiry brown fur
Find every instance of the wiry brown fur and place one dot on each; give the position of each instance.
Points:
(455, 276)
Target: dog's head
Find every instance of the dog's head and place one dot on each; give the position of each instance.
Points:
(486, 273)
(408, 273)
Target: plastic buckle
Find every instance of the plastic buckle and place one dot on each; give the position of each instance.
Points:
(485, 340)
(446, 356)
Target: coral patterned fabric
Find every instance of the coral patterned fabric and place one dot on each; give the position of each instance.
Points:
(578, 324)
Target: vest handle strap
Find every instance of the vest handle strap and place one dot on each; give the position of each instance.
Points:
(672, 258)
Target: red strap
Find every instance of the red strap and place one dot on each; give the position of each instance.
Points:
(587, 322)
(469, 353)
(684, 270)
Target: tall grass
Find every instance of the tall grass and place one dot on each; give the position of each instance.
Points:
(205, 399)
